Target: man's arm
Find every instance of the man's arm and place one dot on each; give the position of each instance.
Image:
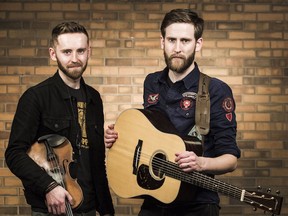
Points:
(189, 161)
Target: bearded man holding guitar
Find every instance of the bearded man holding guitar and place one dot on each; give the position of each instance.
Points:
(173, 91)
(60, 109)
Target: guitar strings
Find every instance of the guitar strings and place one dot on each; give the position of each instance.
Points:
(196, 178)
(201, 180)
(173, 170)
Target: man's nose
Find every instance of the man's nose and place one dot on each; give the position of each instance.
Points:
(177, 47)
(74, 57)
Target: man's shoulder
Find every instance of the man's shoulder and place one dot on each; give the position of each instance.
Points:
(219, 87)
(216, 82)
(45, 82)
(91, 89)
(154, 76)
(39, 86)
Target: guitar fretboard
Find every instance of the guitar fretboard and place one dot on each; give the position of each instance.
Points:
(198, 179)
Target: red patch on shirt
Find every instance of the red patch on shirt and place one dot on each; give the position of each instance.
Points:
(229, 116)
(186, 103)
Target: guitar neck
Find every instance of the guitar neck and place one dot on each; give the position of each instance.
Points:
(198, 179)
(267, 202)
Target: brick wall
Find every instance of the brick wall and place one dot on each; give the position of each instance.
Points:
(245, 44)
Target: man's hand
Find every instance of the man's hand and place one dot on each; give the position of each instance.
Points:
(110, 136)
(55, 200)
(189, 161)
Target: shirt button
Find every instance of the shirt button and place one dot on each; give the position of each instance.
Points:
(56, 126)
(187, 114)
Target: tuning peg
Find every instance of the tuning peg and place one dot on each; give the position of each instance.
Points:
(278, 192)
(269, 190)
(254, 209)
(259, 188)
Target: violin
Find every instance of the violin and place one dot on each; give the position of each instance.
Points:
(54, 154)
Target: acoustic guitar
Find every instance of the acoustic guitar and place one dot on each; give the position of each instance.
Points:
(141, 162)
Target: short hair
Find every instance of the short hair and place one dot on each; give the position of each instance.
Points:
(183, 16)
(67, 27)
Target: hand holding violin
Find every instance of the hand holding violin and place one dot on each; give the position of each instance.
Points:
(56, 199)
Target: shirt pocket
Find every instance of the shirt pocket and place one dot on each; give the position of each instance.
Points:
(56, 124)
(187, 114)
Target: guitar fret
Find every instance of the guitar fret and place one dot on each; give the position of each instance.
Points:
(201, 180)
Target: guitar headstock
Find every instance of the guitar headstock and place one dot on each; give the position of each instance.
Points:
(265, 201)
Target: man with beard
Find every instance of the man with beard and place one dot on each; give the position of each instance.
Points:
(62, 105)
(174, 92)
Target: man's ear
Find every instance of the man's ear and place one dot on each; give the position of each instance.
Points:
(199, 44)
(89, 51)
(162, 42)
(52, 53)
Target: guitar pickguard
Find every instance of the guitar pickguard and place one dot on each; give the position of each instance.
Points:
(146, 181)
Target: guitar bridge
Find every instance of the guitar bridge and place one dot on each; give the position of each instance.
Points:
(136, 157)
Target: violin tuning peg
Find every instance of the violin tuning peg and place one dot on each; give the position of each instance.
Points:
(259, 188)
(269, 190)
(254, 209)
(278, 192)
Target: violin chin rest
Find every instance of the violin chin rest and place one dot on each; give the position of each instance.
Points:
(52, 139)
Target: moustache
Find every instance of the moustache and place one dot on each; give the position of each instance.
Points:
(74, 65)
(177, 56)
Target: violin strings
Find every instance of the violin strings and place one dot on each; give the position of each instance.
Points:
(57, 170)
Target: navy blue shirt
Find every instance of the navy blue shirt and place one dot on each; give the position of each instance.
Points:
(178, 101)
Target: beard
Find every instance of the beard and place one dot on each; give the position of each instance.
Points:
(178, 63)
(72, 73)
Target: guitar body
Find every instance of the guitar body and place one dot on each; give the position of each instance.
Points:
(130, 168)
(141, 162)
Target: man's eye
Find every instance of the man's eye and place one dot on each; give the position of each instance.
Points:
(67, 52)
(81, 51)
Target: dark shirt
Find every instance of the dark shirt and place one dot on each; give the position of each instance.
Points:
(46, 109)
(177, 100)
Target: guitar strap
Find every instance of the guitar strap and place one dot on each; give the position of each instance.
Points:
(202, 112)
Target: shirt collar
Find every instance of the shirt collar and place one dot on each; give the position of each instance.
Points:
(190, 80)
(63, 90)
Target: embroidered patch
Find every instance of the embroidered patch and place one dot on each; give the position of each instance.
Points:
(153, 98)
(229, 116)
(186, 103)
(228, 104)
(192, 95)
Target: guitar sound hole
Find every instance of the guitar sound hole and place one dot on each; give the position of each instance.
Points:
(158, 165)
